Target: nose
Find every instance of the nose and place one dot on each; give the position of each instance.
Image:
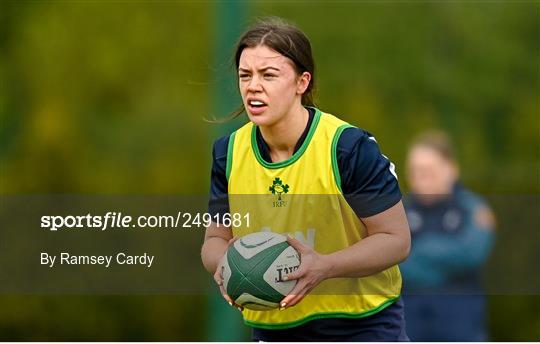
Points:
(254, 85)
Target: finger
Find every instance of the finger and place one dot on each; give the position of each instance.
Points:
(300, 296)
(217, 275)
(292, 300)
(226, 296)
(232, 240)
(297, 298)
(231, 301)
(295, 274)
(296, 290)
(219, 281)
(297, 244)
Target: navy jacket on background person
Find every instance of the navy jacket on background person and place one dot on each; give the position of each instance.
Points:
(442, 286)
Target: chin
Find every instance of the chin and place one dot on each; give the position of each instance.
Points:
(261, 120)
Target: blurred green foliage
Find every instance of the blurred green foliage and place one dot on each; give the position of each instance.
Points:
(100, 97)
(105, 97)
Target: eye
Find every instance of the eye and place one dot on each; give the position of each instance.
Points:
(269, 76)
(244, 76)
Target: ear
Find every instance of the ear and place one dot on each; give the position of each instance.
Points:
(303, 82)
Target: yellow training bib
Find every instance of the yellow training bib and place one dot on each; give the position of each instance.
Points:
(302, 196)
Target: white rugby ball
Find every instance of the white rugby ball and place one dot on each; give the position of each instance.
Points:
(253, 269)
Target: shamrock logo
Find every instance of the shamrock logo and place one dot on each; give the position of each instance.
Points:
(278, 188)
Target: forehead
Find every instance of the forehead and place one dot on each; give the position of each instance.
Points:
(261, 56)
(425, 156)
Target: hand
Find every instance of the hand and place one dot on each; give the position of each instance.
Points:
(219, 281)
(314, 268)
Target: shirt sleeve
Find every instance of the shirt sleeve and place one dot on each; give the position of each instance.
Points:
(219, 194)
(368, 178)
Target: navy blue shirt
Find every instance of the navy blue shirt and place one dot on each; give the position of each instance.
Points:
(442, 275)
(450, 245)
(368, 179)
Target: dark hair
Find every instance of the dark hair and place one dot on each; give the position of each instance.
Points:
(438, 141)
(286, 39)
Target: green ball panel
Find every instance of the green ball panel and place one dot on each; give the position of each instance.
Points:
(236, 278)
(247, 274)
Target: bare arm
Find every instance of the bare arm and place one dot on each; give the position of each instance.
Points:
(388, 243)
(216, 242)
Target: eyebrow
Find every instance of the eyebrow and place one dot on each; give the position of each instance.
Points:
(262, 69)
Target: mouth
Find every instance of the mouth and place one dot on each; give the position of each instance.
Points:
(256, 107)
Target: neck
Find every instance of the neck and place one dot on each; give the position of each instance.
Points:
(282, 137)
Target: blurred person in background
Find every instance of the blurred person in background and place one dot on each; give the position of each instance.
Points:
(452, 236)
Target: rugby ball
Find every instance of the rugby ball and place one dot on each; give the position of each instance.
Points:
(253, 269)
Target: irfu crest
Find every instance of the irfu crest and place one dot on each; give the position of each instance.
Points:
(278, 188)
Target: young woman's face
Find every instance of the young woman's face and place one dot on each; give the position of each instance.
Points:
(269, 84)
